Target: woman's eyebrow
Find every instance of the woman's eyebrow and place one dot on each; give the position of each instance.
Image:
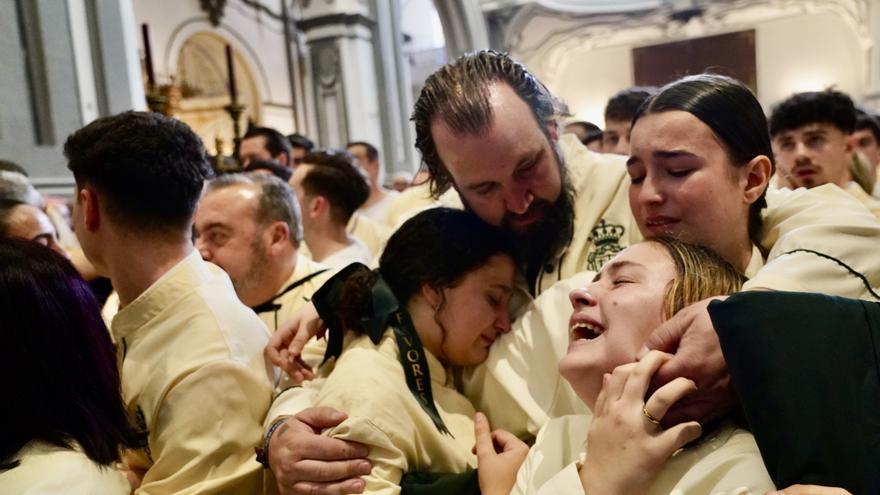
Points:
(617, 266)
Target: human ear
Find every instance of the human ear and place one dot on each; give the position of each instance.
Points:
(316, 205)
(279, 233)
(91, 210)
(553, 130)
(849, 144)
(433, 296)
(757, 176)
(283, 160)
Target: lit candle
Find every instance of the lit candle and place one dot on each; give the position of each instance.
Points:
(148, 58)
(230, 69)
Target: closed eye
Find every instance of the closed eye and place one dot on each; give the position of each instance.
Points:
(485, 189)
(681, 173)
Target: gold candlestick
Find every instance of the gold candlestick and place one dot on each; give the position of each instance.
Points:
(235, 110)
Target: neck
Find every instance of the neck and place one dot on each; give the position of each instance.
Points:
(326, 240)
(738, 254)
(279, 272)
(426, 326)
(154, 258)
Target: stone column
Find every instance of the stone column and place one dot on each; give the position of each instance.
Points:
(339, 35)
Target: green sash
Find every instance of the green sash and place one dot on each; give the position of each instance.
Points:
(384, 311)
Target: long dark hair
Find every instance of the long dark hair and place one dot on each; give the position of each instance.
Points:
(62, 381)
(436, 247)
(733, 113)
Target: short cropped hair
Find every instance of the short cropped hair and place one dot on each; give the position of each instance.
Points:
(300, 141)
(624, 105)
(827, 107)
(277, 170)
(276, 143)
(372, 152)
(335, 176)
(458, 96)
(276, 203)
(864, 120)
(149, 168)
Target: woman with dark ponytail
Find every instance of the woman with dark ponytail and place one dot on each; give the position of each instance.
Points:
(438, 300)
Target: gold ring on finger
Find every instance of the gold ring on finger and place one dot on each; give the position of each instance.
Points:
(650, 417)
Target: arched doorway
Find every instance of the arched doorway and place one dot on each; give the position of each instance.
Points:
(202, 81)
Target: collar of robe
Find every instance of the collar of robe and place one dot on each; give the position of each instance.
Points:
(384, 312)
(271, 305)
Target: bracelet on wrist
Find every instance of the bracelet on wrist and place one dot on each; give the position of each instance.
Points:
(262, 450)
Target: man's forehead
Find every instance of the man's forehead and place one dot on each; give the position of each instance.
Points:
(811, 128)
(238, 198)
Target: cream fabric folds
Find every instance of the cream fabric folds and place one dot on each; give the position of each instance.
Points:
(810, 234)
(378, 211)
(727, 462)
(194, 377)
(355, 252)
(47, 469)
(870, 202)
(408, 203)
(368, 383)
(371, 232)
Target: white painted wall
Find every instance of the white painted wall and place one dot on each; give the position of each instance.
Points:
(805, 52)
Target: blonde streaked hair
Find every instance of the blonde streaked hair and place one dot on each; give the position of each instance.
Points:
(699, 274)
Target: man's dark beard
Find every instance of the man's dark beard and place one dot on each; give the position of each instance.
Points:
(546, 238)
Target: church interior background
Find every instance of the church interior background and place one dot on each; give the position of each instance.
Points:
(344, 70)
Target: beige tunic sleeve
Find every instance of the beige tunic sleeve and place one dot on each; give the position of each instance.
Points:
(205, 433)
(389, 462)
(820, 240)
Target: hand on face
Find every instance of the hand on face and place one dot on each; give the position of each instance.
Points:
(691, 335)
(625, 448)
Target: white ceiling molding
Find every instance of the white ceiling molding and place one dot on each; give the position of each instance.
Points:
(543, 38)
(578, 6)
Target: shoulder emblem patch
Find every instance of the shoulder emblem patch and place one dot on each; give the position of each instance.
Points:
(605, 238)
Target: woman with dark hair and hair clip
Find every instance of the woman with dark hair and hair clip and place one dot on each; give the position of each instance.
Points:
(621, 448)
(439, 299)
(66, 424)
